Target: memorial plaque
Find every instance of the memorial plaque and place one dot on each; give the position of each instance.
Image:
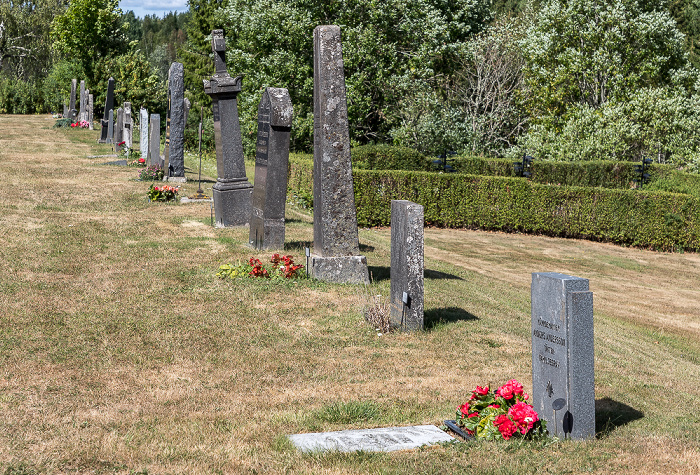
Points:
(271, 163)
(406, 311)
(563, 386)
(371, 440)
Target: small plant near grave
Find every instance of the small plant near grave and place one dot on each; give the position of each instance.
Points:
(162, 193)
(62, 123)
(135, 159)
(80, 124)
(500, 414)
(282, 268)
(377, 310)
(151, 173)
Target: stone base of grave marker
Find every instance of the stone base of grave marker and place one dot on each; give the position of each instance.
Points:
(232, 203)
(339, 269)
(406, 311)
(175, 179)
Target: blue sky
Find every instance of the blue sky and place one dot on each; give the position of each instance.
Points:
(142, 8)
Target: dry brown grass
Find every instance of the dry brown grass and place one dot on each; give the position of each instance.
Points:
(121, 352)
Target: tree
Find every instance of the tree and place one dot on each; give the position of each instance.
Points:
(90, 31)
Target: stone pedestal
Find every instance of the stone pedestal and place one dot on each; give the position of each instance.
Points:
(105, 133)
(232, 191)
(406, 265)
(336, 244)
(271, 162)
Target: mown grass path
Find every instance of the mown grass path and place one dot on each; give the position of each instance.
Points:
(121, 352)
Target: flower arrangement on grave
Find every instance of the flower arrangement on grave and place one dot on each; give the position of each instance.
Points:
(81, 124)
(150, 173)
(500, 414)
(136, 159)
(162, 193)
(282, 267)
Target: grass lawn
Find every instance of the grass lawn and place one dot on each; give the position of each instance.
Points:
(121, 352)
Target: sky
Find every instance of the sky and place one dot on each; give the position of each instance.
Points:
(142, 8)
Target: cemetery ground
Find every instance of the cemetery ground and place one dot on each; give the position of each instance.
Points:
(121, 352)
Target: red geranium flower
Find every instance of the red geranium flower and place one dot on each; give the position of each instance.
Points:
(505, 426)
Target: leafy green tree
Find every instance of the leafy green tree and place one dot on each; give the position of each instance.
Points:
(90, 31)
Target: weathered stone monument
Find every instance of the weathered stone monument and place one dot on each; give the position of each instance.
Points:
(83, 102)
(143, 132)
(127, 134)
(154, 141)
(119, 130)
(175, 154)
(336, 256)
(91, 109)
(406, 311)
(232, 190)
(72, 112)
(105, 132)
(65, 110)
(563, 387)
(271, 162)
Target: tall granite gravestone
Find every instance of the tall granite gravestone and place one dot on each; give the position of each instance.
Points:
(143, 132)
(154, 141)
(127, 134)
(175, 146)
(119, 130)
(91, 118)
(271, 161)
(232, 190)
(72, 112)
(83, 102)
(406, 265)
(563, 390)
(105, 133)
(336, 245)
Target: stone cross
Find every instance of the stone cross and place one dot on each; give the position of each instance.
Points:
(232, 191)
(119, 129)
(72, 111)
(271, 162)
(154, 141)
(175, 155)
(406, 311)
(127, 135)
(143, 132)
(336, 245)
(83, 102)
(563, 386)
(90, 112)
(110, 127)
(106, 134)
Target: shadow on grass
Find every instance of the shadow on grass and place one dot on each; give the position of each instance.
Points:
(436, 275)
(439, 316)
(611, 414)
(366, 248)
(297, 245)
(379, 273)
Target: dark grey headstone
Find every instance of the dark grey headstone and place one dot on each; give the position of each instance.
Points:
(232, 191)
(154, 140)
(73, 86)
(110, 127)
(563, 385)
(109, 105)
(335, 219)
(143, 132)
(83, 102)
(406, 265)
(175, 158)
(271, 162)
(119, 130)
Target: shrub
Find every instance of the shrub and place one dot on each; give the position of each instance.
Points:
(388, 157)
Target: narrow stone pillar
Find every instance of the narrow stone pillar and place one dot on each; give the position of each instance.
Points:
(83, 102)
(119, 130)
(143, 132)
(336, 245)
(72, 112)
(271, 162)
(154, 141)
(110, 127)
(232, 191)
(106, 132)
(175, 156)
(406, 265)
(90, 111)
(127, 134)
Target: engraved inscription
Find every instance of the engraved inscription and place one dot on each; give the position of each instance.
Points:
(549, 361)
(557, 340)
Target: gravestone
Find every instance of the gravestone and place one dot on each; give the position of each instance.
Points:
(154, 141)
(336, 245)
(143, 132)
(65, 110)
(232, 190)
(406, 311)
(386, 439)
(187, 104)
(271, 162)
(119, 130)
(72, 112)
(110, 127)
(175, 135)
(90, 112)
(109, 105)
(563, 386)
(83, 102)
(127, 134)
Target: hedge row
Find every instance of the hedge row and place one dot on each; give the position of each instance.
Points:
(664, 221)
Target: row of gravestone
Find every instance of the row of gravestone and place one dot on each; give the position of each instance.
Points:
(86, 104)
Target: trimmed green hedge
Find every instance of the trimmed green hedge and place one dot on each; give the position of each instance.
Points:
(660, 220)
(388, 157)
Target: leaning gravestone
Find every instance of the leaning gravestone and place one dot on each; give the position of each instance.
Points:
(175, 155)
(386, 439)
(271, 162)
(406, 265)
(336, 245)
(563, 387)
(127, 134)
(72, 112)
(154, 141)
(119, 130)
(143, 132)
(105, 132)
(232, 191)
